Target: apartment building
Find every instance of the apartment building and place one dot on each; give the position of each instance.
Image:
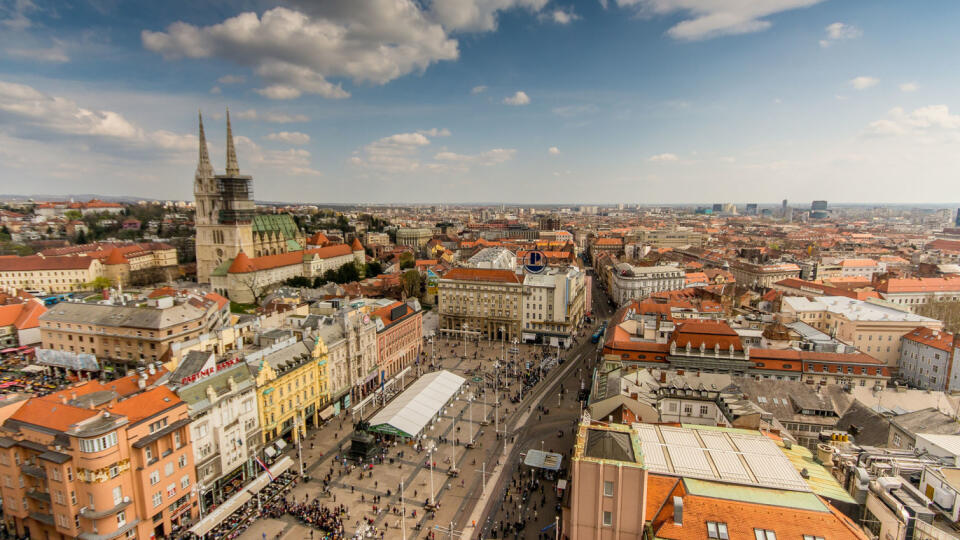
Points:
(399, 337)
(98, 460)
(870, 327)
(225, 424)
(928, 359)
(130, 334)
(911, 292)
(289, 392)
(376, 239)
(479, 300)
(349, 338)
(628, 282)
(668, 238)
(554, 304)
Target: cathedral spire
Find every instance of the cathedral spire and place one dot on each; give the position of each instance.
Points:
(232, 167)
(204, 168)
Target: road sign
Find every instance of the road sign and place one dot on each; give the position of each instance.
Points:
(535, 262)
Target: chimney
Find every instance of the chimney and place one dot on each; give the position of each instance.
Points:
(677, 511)
(663, 377)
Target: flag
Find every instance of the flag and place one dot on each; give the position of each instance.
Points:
(262, 464)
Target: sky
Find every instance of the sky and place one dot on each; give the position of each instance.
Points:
(513, 101)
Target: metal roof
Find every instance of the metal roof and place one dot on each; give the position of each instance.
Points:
(413, 409)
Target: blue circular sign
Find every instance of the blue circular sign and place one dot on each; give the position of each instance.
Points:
(535, 262)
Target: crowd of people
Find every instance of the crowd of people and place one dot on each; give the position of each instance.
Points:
(236, 523)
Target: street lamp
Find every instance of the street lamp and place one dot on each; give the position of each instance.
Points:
(430, 451)
(465, 326)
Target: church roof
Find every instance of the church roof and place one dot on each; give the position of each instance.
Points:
(241, 264)
(276, 223)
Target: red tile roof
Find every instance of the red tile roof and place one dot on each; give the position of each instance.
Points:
(356, 245)
(708, 333)
(34, 262)
(116, 257)
(937, 339)
(51, 414)
(241, 264)
(920, 285)
(22, 316)
(482, 274)
(146, 404)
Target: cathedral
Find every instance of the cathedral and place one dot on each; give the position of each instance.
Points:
(226, 219)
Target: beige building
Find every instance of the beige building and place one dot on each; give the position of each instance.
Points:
(553, 306)
(49, 274)
(415, 238)
(226, 219)
(480, 300)
(129, 334)
(872, 328)
(376, 239)
(350, 338)
(672, 238)
(762, 275)
(244, 279)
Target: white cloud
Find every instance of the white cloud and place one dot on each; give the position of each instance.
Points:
(295, 161)
(520, 98)
(231, 79)
(273, 117)
(55, 54)
(711, 18)
(477, 15)
(434, 132)
(216, 90)
(297, 52)
(454, 162)
(925, 122)
(397, 153)
(292, 137)
(478, 89)
(839, 31)
(664, 157)
(863, 82)
(564, 16)
(909, 87)
(15, 14)
(553, 151)
(28, 110)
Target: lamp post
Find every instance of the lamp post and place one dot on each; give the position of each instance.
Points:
(465, 326)
(430, 451)
(403, 513)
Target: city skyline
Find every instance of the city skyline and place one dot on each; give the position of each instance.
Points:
(650, 101)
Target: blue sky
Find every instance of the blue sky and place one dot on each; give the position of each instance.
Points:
(527, 101)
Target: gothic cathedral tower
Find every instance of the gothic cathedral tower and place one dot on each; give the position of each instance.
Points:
(224, 209)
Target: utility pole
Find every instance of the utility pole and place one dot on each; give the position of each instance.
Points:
(403, 513)
(483, 476)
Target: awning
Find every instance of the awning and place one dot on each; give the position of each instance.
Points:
(32, 369)
(543, 460)
(326, 413)
(561, 484)
(413, 409)
(281, 444)
(528, 337)
(270, 451)
(231, 505)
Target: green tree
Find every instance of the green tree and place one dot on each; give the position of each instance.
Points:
(410, 282)
(348, 273)
(407, 260)
(72, 214)
(81, 237)
(318, 282)
(374, 268)
(99, 283)
(298, 281)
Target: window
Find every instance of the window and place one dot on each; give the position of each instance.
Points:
(121, 518)
(607, 489)
(154, 478)
(117, 495)
(55, 473)
(704, 410)
(148, 453)
(157, 499)
(183, 461)
(185, 482)
(168, 469)
(99, 444)
(896, 440)
(114, 470)
(172, 490)
(158, 425)
(764, 534)
(58, 496)
(717, 530)
(812, 537)
(688, 410)
(73, 497)
(608, 519)
(176, 440)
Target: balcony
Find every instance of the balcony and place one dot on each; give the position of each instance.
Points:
(39, 496)
(89, 513)
(34, 471)
(42, 518)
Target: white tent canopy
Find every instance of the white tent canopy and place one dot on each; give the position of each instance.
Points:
(413, 409)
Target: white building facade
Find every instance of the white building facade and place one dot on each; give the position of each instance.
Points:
(628, 282)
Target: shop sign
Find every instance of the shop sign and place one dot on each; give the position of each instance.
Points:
(210, 371)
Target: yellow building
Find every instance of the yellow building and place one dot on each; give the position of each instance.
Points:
(291, 389)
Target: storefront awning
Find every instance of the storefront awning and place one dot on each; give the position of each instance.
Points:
(249, 491)
(326, 413)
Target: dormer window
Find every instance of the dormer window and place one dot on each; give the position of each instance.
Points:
(717, 530)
